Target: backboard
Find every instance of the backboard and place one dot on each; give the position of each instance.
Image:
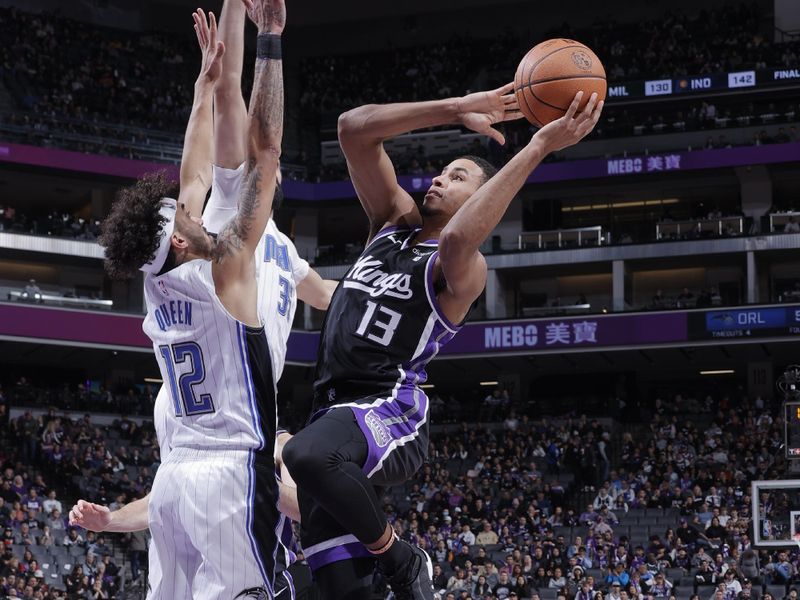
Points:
(776, 512)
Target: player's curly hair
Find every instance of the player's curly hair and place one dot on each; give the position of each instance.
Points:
(489, 170)
(129, 233)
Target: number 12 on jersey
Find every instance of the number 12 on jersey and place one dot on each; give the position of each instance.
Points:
(181, 389)
(376, 330)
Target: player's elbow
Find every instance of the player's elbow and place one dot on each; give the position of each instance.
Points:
(346, 125)
(353, 123)
(451, 245)
(265, 140)
(265, 150)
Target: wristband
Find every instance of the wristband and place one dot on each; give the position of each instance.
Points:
(268, 46)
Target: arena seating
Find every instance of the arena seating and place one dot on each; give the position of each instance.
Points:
(56, 95)
(588, 495)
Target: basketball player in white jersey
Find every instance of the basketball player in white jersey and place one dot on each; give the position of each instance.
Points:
(213, 511)
(283, 276)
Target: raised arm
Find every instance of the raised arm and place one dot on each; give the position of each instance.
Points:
(234, 255)
(195, 175)
(264, 132)
(462, 265)
(363, 130)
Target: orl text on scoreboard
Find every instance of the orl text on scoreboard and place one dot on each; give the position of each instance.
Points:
(745, 323)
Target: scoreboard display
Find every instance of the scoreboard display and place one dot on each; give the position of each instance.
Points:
(710, 82)
(744, 323)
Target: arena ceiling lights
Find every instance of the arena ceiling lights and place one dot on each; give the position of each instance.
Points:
(621, 204)
(719, 372)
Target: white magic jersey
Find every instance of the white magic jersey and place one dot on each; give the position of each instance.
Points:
(279, 269)
(219, 398)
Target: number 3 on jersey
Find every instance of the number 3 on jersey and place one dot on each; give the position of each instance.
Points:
(285, 295)
(182, 390)
(375, 329)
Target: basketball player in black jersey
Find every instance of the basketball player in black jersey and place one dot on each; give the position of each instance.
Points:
(405, 297)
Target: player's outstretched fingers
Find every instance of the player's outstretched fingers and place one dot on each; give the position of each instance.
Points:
(212, 30)
(586, 114)
(201, 27)
(573, 107)
(506, 89)
(496, 136)
(589, 124)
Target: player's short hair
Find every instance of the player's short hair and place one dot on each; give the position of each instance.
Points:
(489, 170)
(130, 233)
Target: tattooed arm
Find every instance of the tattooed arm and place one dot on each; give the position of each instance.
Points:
(234, 260)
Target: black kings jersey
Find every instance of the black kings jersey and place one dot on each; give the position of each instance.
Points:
(383, 324)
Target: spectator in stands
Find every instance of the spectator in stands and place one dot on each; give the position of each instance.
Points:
(493, 404)
(458, 581)
(748, 592)
(502, 589)
(791, 226)
(557, 580)
(603, 499)
(73, 538)
(704, 575)
(32, 502)
(716, 533)
(99, 547)
(51, 503)
(97, 592)
(32, 292)
(56, 522)
(439, 580)
(732, 584)
(618, 574)
(521, 588)
(685, 298)
(487, 536)
(780, 570)
(658, 300)
(466, 536)
(45, 538)
(584, 591)
(589, 516)
(749, 565)
(24, 536)
(137, 551)
(461, 559)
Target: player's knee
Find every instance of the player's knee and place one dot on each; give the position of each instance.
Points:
(304, 465)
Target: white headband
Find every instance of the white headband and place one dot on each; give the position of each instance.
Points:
(168, 210)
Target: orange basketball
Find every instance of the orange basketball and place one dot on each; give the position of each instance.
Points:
(551, 74)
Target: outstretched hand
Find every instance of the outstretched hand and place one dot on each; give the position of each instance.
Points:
(90, 516)
(212, 49)
(268, 15)
(481, 110)
(572, 127)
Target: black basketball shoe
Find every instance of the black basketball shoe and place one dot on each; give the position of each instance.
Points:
(414, 581)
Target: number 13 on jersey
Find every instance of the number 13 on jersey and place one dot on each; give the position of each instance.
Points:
(374, 328)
